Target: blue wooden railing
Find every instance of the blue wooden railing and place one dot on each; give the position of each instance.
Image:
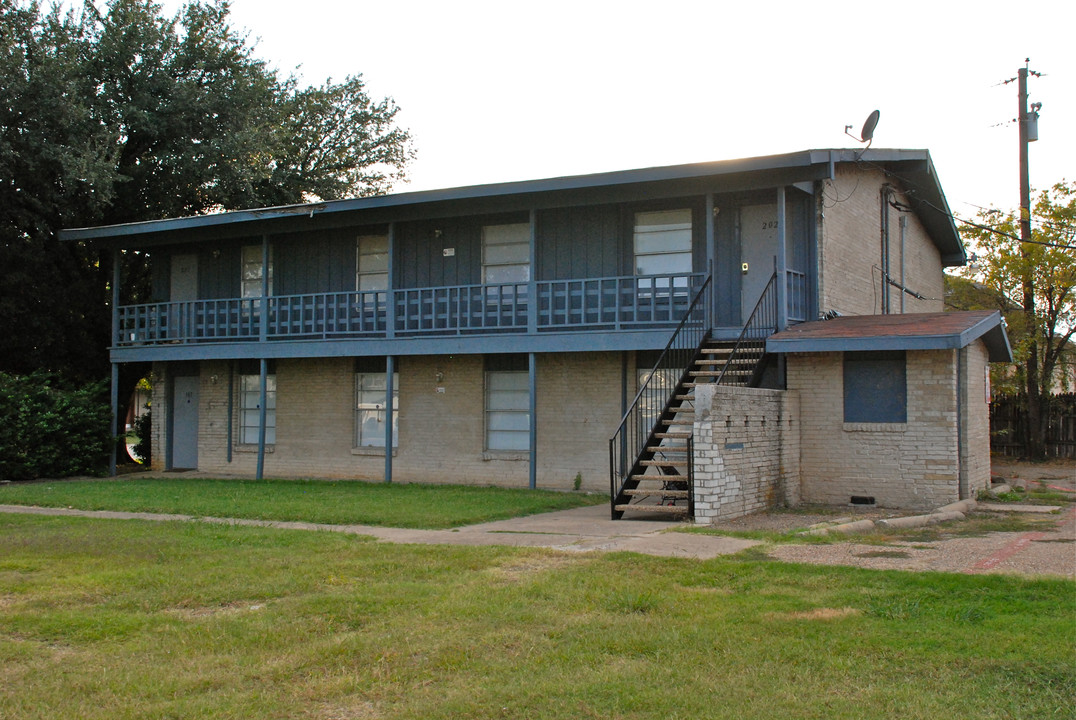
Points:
(629, 302)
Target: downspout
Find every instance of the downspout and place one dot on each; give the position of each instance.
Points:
(884, 230)
(903, 222)
(961, 464)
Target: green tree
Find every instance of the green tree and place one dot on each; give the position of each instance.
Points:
(1046, 267)
(123, 115)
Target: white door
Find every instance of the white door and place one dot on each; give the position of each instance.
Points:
(184, 279)
(758, 247)
(185, 422)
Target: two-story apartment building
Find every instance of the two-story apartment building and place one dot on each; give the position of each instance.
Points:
(498, 334)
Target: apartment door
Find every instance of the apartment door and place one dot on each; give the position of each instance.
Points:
(758, 247)
(184, 280)
(185, 422)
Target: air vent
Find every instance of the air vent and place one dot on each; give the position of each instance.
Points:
(862, 500)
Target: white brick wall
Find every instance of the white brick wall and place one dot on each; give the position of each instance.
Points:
(746, 451)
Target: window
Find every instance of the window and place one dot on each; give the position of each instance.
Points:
(506, 252)
(249, 409)
(372, 262)
(371, 404)
(251, 278)
(508, 417)
(875, 387)
(663, 242)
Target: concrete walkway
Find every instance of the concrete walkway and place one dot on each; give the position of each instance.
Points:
(577, 530)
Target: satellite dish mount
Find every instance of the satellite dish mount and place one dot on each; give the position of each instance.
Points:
(866, 135)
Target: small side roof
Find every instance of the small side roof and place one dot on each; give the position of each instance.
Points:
(918, 331)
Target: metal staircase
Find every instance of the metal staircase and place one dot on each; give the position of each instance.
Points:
(652, 452)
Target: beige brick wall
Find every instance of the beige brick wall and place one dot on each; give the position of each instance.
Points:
(975, 411)
(850, 248)
(911, 465)
(747, 450)
(441, 433)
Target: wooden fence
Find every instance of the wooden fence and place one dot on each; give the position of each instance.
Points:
(1008, 425)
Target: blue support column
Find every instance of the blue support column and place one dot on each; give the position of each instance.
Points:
(115, 387)
(782, 262)
(532, 285)
(532, 366)
(262, 396)
(263, 325)
(711, 252)
(390, 292)
(390, 412)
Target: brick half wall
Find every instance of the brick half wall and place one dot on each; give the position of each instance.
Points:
(747, 451)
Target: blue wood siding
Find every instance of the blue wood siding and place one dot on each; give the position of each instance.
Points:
(316, 262)
(579, 242)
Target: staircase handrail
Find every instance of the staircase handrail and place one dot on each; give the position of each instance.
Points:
(767, 301)
(629, 444)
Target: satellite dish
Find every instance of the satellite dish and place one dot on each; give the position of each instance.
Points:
(868, 127)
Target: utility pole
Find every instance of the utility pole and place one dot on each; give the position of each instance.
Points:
(1029, 132)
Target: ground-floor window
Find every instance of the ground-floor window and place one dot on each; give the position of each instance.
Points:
(508, 416)
(250, 409)
(875, 387)
(371, 404)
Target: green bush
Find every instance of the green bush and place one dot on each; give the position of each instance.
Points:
(47, 430)
(142, 426)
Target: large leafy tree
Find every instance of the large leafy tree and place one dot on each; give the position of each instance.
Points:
(1038, 280)
(122, 114)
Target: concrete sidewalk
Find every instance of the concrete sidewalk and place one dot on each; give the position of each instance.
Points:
(578, 530)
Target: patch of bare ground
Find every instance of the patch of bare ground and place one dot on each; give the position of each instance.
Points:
(823, 614)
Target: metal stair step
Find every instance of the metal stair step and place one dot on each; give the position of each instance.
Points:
(647, 492)
(671, 509)
(664, 463)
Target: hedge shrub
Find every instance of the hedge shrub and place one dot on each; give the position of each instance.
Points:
(48, 430)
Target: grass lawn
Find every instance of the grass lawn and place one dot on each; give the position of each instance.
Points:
(124, 619)
(320, 501)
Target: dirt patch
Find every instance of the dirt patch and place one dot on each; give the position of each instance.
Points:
(804, 517)
(824, 614)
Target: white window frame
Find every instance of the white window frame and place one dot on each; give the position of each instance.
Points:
(372, 263)
(250, 275)
(249, 409)
(506, 254)
(507, 412)
(663, 236)
(367, 407)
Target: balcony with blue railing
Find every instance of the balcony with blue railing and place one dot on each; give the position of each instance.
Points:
(590, 304)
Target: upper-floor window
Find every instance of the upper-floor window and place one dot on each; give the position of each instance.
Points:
(253, 271)
(372, 262)
(663, 242)
(506, 252)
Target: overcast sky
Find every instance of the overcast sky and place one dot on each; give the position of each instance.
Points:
(496, 91)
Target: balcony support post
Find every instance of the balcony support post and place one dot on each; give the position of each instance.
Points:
(532, 278)
(390, 290)
(390, 369)
(711, 250)
(782, 262)
(114, 392)
(262, 395)
(263, 326)
(532, 367)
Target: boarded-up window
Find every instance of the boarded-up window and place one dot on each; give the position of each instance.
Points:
(875, 387)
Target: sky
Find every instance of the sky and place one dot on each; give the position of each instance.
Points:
(501, 91)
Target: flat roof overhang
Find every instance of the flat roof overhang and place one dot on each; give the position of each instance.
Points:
(913, 167)
(919, 331)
